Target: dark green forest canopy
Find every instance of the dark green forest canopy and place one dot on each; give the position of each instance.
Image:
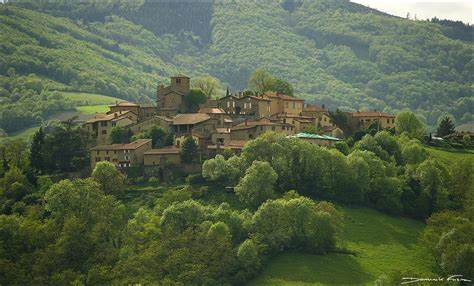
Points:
(333, 52)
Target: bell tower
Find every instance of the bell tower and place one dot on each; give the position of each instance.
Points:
(180, 83)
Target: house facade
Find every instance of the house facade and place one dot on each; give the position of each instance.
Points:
(363, 119)
(121, 155)
(101, 125)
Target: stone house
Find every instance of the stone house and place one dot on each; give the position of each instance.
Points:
(121, 155)
(251, 129)
(166, 156)
(363, 119)
(143, 111)
(229, 104)
(162, 121)
(253, 106)
(101, 125)
(282, 103)
(170, 99)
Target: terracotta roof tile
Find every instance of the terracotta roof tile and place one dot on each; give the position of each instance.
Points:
(370, 114)
(163, 151)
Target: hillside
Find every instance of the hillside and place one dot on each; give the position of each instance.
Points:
(334, 52)
(383, 245)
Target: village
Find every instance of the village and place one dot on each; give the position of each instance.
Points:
(227, 123)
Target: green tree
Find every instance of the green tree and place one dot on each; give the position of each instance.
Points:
(120, 135)
(36, 150)
(189, 150)
(261, 81)
(193, 99)
(110, 179)
(257, 184)
(445, 127)
(209, 85)
(407, 122)
(158, 136)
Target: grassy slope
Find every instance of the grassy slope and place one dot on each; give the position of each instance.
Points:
(383, 244)
(451, 155)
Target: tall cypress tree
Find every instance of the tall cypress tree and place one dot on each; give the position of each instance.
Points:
(36, 151)
(189, 150)
(446, 127)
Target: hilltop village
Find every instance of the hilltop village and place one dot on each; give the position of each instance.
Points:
(220, 124)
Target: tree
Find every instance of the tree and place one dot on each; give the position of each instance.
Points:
(189, 150)
(261, 81)
(209, 85)
(110, 179)
(120, 135)
(158, 136)
(193, 99)
(257, 184)
(445, 127)
(407, 122)
(36, 150)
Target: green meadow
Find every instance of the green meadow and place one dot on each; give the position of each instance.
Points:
(382, 244)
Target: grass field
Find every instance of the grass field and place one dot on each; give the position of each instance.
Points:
(85, 99)
(450, 156)
(91, 109)
(383, 244)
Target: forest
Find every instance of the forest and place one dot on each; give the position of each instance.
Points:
(336, 53)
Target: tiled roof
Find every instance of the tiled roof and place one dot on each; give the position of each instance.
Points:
(190, 118)
(163, 151)
(129, 146)
(370, 114)
(211, 110)
(254, 97)
(314, 136)
(106, 117)
(283, 96)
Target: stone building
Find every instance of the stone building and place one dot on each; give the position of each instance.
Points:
(121, 155)
(170, 99)
(101, 125)
(363, 119)
(251, 129)
(282, 103)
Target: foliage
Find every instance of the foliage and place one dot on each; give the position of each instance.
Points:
(261, 81)
(209, 85)
(445, 127)
(257, 184)
(120, 135)
(193, 99)
(407, 122)
(110, 179)
(189, 151)
(63, 149)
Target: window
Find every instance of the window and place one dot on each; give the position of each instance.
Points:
(97, 152)
(107, 158)
(286, 104)
(388, 120)
(114, 123)
(103, 123)
(294, 104)
(104, 131)
(107, 152)
(233, 104)
(250, 105)
(97, 159)
(245, 105)
(393, 120)
(178, 80)
(228, 104)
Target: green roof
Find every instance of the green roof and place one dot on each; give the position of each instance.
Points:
(315, 136)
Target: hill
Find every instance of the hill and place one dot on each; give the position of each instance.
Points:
(334, 52)
(383, 244)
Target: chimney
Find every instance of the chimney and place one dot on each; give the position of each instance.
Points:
(115, 115)
(227, 93)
